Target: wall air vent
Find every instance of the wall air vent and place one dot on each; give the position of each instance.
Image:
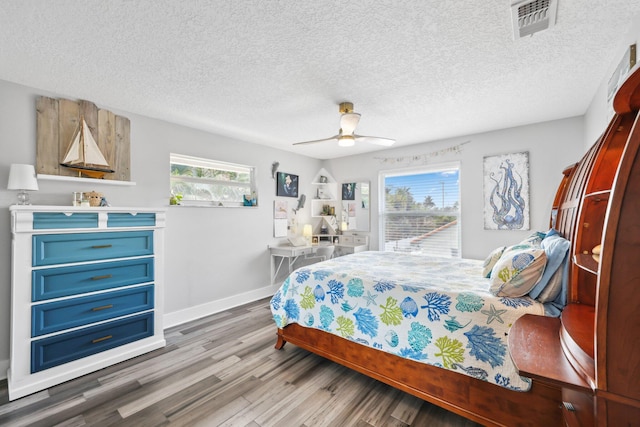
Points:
(532, 16)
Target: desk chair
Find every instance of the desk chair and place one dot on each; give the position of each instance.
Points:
(324, 253)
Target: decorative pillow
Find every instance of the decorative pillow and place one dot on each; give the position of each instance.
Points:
(517, 271)
(534, 239)
(556, 248)
(551, 291)
(491, 260)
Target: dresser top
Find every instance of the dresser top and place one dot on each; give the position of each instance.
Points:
(72, 209)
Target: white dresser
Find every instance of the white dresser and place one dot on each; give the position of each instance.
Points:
(352, 244)
(86, 291)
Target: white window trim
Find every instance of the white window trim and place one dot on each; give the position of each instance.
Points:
(412, 171)
(211, 164)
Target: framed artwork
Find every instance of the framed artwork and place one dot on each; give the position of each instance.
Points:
(287, 185)
(506, 192)
(280, 209)
(349, 191)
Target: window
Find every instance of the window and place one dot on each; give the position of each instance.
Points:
(420, 210)
(203, 182)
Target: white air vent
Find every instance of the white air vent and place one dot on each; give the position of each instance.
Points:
(531, 16)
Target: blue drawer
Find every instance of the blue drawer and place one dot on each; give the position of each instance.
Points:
(60, 315)
(50, 249)
(144, 219)
(56, 282)
(53, 351)
(43, 220)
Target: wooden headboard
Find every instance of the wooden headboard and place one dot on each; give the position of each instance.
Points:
(597, 207)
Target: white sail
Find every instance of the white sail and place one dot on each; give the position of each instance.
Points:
(83, 149)
(92, 154)
(74, 152)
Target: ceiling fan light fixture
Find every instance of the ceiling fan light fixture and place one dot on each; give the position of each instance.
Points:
(346, 141)
(346, 136)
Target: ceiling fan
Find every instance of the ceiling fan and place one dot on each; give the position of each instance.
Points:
(345, 137)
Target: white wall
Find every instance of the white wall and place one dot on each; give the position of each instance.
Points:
(215, 257)
(552, 146)
(600, 112)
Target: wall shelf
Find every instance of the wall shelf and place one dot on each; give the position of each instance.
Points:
(326, 193)
(91, 181)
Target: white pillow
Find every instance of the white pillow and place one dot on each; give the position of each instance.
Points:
(518, 270)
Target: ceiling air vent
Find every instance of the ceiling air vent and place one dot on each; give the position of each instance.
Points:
(531, 16)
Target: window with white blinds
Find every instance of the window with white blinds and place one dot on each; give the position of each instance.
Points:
(420, 210)
(204, 182)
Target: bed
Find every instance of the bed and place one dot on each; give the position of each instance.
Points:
(580, 361)
(431, 326)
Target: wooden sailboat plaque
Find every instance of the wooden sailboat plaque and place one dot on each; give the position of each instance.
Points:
(77, 139)
(84, 155)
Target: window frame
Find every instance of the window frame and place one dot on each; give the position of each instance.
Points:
(220, 165)
(419, 170)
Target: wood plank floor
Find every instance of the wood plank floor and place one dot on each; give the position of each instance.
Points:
(222, 370)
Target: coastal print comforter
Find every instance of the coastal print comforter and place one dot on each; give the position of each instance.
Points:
(434, 310)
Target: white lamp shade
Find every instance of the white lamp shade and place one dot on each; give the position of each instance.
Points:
(307, 230)
(22, 177)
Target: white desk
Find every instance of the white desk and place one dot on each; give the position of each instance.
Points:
(288, 253)
(350, 248)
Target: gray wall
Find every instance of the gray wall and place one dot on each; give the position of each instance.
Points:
(551, 146)
(600, 111)
(215, 257)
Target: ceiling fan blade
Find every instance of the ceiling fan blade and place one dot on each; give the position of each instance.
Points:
(333, 138)
(348, 122)
(387, 142)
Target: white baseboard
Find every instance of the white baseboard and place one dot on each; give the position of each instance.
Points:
(192, 313)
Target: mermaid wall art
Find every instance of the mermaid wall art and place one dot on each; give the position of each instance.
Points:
(506, 192)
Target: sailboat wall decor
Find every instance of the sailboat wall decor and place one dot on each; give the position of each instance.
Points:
(78, 139)
(83, 154)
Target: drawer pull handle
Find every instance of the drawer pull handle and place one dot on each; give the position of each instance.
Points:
(97, 340)
(100, 246)
(103, 307)
(105, 276)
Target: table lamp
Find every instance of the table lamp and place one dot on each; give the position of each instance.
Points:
(307, 231)
(23, 178)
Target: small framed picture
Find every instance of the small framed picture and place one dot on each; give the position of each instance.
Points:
(336, 240)
(287, 185)
(349, 191)
(314, 240)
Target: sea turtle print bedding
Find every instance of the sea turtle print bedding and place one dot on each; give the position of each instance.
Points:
(434, 310)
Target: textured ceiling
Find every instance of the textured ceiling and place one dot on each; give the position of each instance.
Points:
(273, 72)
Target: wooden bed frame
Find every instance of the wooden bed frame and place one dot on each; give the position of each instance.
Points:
(490, 404)
(480, 401)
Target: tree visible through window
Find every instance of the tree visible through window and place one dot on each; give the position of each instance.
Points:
(421, 210)
(197, 181)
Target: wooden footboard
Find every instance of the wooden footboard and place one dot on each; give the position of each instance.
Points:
(480, 401)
